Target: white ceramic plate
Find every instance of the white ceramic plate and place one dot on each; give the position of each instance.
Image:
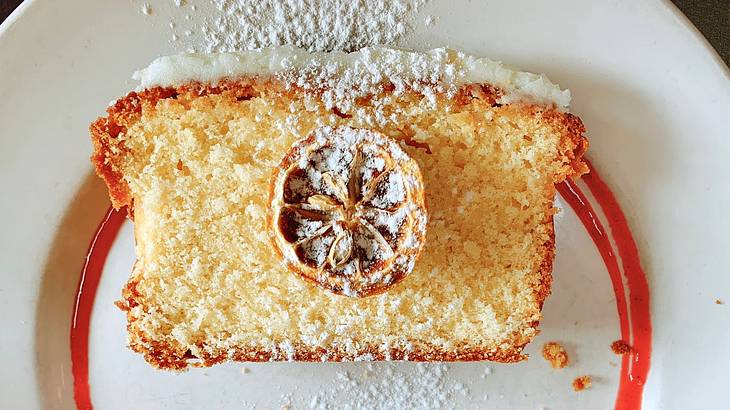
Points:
(653, 95)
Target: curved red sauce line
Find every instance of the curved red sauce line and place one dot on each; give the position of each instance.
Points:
(634, 315)
(635, 366)
(89, 281)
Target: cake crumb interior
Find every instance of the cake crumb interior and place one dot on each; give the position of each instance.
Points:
(208, 283)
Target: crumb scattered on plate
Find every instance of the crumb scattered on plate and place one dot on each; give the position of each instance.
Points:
(581, 383)
(620, 347)
(555, 353)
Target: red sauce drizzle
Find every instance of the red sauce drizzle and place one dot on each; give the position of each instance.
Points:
(89, 281)
(634, 315)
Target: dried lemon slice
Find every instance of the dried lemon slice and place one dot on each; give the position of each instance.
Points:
(347, 210)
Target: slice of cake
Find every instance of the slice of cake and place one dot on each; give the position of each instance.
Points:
(196, 157)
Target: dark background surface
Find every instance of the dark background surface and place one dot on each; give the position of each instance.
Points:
(712, 17)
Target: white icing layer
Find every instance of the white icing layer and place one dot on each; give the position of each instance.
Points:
(440, 69)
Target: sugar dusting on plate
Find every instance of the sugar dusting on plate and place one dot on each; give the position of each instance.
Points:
(314, 25)
(386, 386)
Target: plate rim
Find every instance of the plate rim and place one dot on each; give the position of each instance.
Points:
(679, 19)
(695, 32)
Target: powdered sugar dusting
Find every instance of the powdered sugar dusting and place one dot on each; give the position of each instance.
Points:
(319, 25)
(425, 386)
(308, 227)
(331, 25)
(391, 222)
(340, 82)
(391, 191)
(317, 248)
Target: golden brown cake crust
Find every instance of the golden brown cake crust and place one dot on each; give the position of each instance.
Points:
(128, 110)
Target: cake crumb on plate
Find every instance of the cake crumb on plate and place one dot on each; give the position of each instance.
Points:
(555, 353)
(620, 347)
(581, 383)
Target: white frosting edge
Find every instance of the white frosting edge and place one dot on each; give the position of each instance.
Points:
(443, 66)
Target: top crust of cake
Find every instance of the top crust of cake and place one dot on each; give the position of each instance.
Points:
(534, 146)
(343, 77)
